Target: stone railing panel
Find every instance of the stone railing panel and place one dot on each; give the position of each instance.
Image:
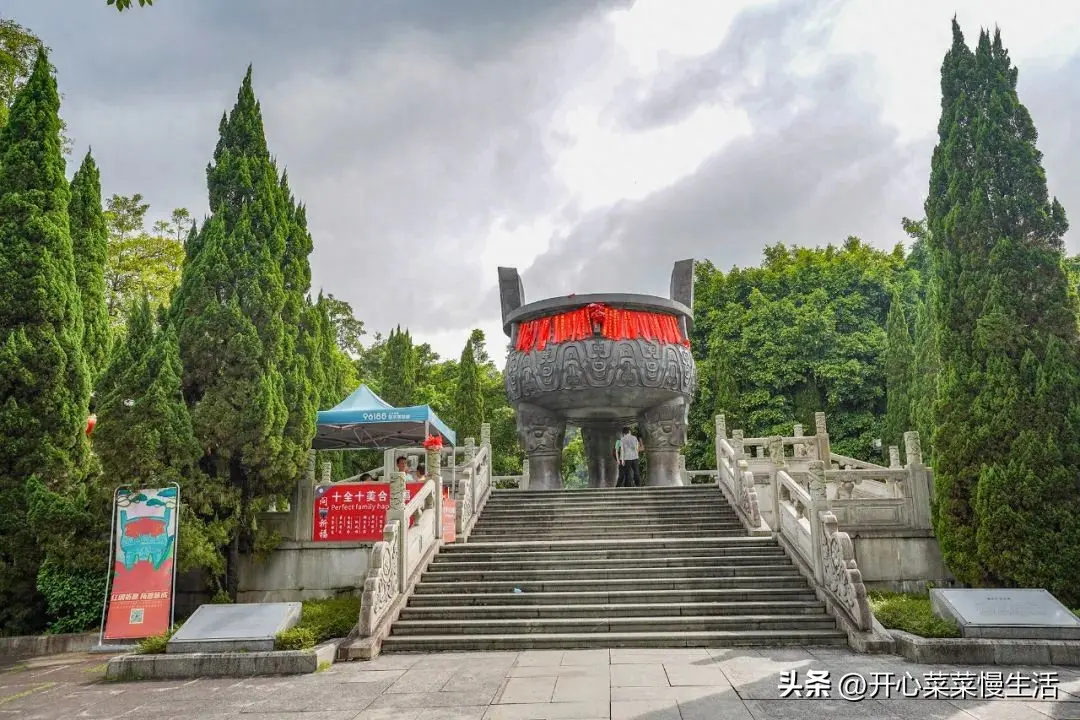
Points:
(793, 508)
(841, 575)
(382, 584)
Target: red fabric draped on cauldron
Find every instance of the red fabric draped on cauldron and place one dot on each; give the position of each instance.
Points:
(615, 324)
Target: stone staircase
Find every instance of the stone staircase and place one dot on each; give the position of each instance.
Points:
(633, 567)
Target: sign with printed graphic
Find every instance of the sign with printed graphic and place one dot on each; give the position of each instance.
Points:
(140, 599)
(449, 520)
(353, 511)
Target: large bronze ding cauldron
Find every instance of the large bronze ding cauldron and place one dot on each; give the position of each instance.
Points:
(600, 362)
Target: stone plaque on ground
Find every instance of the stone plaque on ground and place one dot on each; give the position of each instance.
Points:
(247, 627)
(1015, 614)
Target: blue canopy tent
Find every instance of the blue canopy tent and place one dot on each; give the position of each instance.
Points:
(365, 420)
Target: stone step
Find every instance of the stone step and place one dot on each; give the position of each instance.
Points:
(708, 544)
(541, 575)
(705, 511)
(709, 502)
(464, 563)
(480, 535)
(600, 584)
(569, 641)
(749, 607)
(587, 492)
(514, 529)
(698, 623)
(800, 593)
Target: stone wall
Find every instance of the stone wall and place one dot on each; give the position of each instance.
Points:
(900, 560)
(297, 571)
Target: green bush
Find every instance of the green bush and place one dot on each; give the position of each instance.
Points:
(330, 618)
(73, 599)
(298, 638)
(911, 613)
(155, 644)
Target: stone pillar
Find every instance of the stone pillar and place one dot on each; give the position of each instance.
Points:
(397, 512)
(599, 443)
(819, 501)
(434, 473)
(542, 433)
(800, 449)
(303, 507)
(919, 482)
(485, 434)
(824, 449)
(721, 426)
(524, 474)
(664, 428)
(327, 468)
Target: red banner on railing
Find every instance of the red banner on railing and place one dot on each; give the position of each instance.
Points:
(354, 511)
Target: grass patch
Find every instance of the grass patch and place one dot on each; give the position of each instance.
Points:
(26, 693)
(321, 620)
(155, 644)
(911, 613)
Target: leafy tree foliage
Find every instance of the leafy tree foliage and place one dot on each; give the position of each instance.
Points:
(1006, 450)
(89, 237)
(468, 411)
(899, 368)
(122, 5)
(397, 373)
(140, 264)
(804, 332)
(347, 329)
(44, 383)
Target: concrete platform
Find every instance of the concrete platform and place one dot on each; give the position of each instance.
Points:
(630, 684)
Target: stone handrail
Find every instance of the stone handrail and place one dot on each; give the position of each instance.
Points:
(507, 482)
(382, 582)
(855, 463)
(703, 477)
(840, 574)
(474, 485)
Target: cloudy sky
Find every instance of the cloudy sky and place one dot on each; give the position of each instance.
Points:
(590, 143)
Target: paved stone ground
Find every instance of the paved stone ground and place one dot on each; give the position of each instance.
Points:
(534, 685)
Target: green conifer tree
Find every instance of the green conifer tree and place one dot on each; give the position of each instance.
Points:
(924, 378)
(44, 384)
(1006, 454)
(468, 411)
(899, 364)
(89, 238)
(397, 376)
(241, 280)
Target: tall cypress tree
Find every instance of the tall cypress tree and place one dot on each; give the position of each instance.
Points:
(899, 362)
(230, 312)
(397, 375)
(1005, 447)
(468, 395)
(44, 385)
(89, 238)
(924, 377)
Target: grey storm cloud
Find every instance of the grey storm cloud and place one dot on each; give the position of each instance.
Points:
(822, 161)
(406, 126)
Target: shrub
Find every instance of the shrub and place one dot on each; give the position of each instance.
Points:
(298, 638)
(330, 618)
(73, 599)
(911, 613)
(155, 644)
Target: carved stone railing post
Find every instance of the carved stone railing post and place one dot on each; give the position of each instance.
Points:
(684, 476)
(799, 450)
(470, 463)
(382, 582)
(434, 471)
(821, 435)
(819, 501)
(721, 426)
(525, 474)
(747, 496)
(737, 444)
(919, 481)
(891, 487)
(485, 435)
(840, 573)
(397, 512)
(327, 469)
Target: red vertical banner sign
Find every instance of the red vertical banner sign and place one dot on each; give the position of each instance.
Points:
(140, 599)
